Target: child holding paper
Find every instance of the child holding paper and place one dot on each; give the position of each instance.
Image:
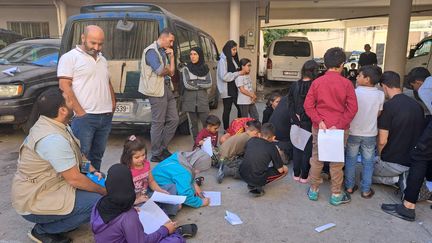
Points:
(296, 98)
(181, 169)
(259, 153)
(364, 130)
(211, 130)
(134, 157)
(114, 219)
(331, 103)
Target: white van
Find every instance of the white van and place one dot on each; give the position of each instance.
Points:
(285, 58)
(420, 55)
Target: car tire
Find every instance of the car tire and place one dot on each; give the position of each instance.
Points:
(31, 120)
(215, 102)
(183, 128)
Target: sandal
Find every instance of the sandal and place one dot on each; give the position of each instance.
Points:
(188, 230)
(369, 195)
(199, 180)
(355, 188)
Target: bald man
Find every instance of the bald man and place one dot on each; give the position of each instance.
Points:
(84, 78)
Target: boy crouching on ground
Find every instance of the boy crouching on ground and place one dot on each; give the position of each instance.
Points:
(259, 153)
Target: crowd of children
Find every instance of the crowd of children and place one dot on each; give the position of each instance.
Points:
(251, 150)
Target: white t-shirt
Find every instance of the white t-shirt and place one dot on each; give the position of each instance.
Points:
(370, 102)
(245, 81)
(90, 80)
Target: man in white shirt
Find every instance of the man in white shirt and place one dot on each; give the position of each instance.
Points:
(84, 77)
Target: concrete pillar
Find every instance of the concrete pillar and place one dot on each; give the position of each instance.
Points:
(397, 36)
(61, 15)
(345, 39)
(235, 20)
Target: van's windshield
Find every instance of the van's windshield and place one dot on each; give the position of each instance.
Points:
(120, 44)
(292, 48)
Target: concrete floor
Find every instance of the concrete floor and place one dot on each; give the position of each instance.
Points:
(284, 214)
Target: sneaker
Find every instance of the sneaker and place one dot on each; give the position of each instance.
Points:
(296, 178)
(340, 199)
(220, 174)
(312, 195)
(157, 158)
(47, 238)
(166, 153)
(303, 181)
(257, 192)
(400, 211)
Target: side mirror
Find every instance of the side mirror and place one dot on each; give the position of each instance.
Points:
(411, 53)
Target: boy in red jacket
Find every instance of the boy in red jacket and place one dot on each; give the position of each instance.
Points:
(331, 103)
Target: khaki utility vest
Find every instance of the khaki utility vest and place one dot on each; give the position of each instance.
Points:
(37, 188)
(150, 83)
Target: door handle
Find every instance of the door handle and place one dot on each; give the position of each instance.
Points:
(424, 64)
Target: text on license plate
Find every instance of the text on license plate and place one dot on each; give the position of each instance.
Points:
(290, 73)
(123, 108)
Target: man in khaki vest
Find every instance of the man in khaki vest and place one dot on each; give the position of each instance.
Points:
(48, 188)
(155, 82)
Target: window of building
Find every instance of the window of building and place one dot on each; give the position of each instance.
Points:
(30, 29)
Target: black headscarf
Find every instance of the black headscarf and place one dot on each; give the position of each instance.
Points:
(232, 88)
(199, 69)
(120, 193)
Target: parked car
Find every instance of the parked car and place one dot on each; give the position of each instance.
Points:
(420, 55)
(285, 58)
(130, 28)
(36, 61)
(8, 37)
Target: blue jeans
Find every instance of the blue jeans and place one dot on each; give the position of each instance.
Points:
(366, 146)
(93, 130)
(55, 224)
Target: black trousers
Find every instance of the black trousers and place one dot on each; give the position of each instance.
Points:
(421, 158)
(227, 105)
(301, 159)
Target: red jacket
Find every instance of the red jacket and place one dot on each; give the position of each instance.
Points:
(331, 99)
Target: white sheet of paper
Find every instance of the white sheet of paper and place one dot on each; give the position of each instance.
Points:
(11, 71)
(325, 227)
(215, 197)
(331, 145)
(166, 198)
(207, 146)
(299, 137)
(429, 185)
(152, 217)
(232, 218)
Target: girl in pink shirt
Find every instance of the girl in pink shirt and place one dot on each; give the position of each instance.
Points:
(135, 157)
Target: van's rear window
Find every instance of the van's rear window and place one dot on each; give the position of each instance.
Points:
(120, 44)
(292, 49)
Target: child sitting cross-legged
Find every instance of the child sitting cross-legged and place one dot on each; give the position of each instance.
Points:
(259, 153)
(134, 157)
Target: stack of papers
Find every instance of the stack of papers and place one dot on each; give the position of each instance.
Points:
(167, 198)
(232, 218)
(215, 197)
(152, 217)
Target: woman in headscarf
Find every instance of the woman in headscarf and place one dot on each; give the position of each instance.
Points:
(196, 81)
(114, 219)
(181, 169)
(227, 72)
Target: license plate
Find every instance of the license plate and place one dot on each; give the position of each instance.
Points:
(123, 108)
(290, 73)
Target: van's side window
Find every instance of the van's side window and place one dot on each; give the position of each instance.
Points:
(194, 40)
(214, 51)
(184, 45)
(209, 47)
(423, 49)
(204, 48)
